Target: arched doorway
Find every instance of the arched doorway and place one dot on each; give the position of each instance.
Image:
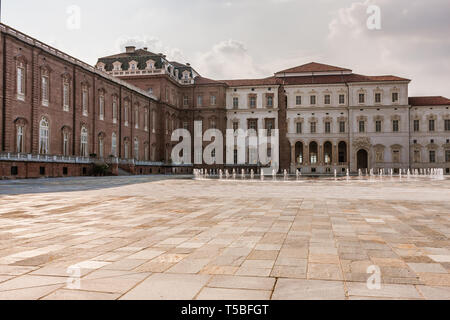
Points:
(327, 153)
(299, 153)
(313, 153)
(362, 159)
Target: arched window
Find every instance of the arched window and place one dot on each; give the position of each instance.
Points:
(114, 109)
(101, 106)
(43, 136)
(101, 146)
(136, 117)
(65, 143)
(84, 142)
(85, 100)
(66, 94)
(114, 144)
(136, 148)
(125, 150)
(45, 87)
(146, 120)
(125, 113)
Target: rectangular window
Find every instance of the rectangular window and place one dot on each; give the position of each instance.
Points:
(85, 102)
(327, 99)
(447, 155)
(447, 125)
(136, 118)
(377, 97)
(313, 127)
(185, 101)
(253, 102)
(395, 126)
(199, 101)
(66, 96)
(125, 114)
(431, 125)
(252, 124)
(378, 126)
(45, 90)
(21, 83)
(269, 101)
(298, 100)
(235, 103)
(341, 99)
(362, 98)
(213, 100)
(313, 100)
(235, 126)
(101, 107)
(327, 127)
(416, 125)
(114, 110)
(66, 144)
(432, 156)
(299, 127)
(19, 139)
(146, 119)
(362, 126)
(395, 97)
(342, 126)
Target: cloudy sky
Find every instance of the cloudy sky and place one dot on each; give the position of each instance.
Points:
(227, 39)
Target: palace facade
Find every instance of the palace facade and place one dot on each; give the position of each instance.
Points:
(62, 117)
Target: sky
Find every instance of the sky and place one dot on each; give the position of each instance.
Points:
(232, 39)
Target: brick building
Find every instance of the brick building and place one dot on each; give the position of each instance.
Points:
(62, 117)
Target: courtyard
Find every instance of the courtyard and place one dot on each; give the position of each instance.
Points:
(177, 238)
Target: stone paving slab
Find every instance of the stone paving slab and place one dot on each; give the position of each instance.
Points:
(162, 238)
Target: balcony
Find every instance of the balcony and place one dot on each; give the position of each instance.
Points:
(43, 158)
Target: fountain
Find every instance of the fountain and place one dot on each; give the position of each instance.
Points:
(348, 174)
(252, 174)
(234, 174)
(243, 174)
(335, 174)
(274, 175)
(262, 175)
(285, 175)
(359, 173)
(220, 174)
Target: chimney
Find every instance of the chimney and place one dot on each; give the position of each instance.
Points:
(145, 48)
(188, 64)
(130, 49)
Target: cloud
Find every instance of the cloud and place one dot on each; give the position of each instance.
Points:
(228, 60)
(153, 44)
(413, 42)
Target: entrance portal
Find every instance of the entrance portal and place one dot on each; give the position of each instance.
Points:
(363, 159)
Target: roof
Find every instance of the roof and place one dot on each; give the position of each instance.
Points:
(429, 101)
(314, 67)
(333, 79)
(201, 80)
(252, 82)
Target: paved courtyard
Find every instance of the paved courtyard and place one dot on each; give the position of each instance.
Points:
(159, 238)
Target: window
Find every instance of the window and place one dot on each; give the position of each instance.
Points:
(20, 81)
(146, 119)
(447, 155)
(252, 124)
(43, 136)
(327, 99)
(431, 125)
(270, 101)
(199, 101)
(85, 101)
(235, 156)
(212, 124)
(299, 127)
(327, 127)
(235, 103)
(298, 100)
(362, 98)
(114, 109)
(136, 148)
(125, 114)
(313, 127)
(235, 126)
(447, 125)
(341, 99)
(395, 126)
(136, 117)
(342, 126)
(146, 152)
(101, 104)
(84, 142)
(416, 125)
(213, 100)
(45, 88)
(185, 101)
(378, 126)
(66, 95)
(396, 156)
(252, 102)
(417, 156)
(125, 150)
(14, 170)
(395, 97)
(65, 143)
(377, 97)
(432, 156)
(114, 145)
(19, 141)
(362, 126)
(313, 100)
(270, 125)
